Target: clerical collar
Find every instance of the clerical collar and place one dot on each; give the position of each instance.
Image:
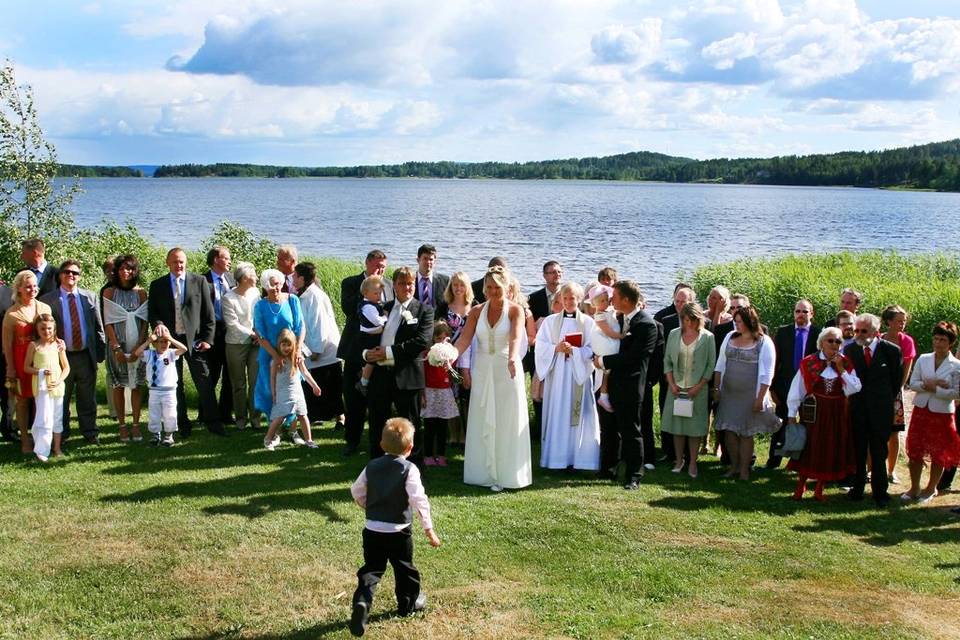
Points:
(567, 314)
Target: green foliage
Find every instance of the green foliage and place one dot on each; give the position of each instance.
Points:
(243, 244)
(927, 286)
(95, 171)
(930, 166)
(30, 206)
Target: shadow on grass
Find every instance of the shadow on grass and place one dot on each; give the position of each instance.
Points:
(317, 631)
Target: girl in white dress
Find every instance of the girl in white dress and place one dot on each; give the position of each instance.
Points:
(497, 453)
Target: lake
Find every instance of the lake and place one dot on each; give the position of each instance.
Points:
(650, 232)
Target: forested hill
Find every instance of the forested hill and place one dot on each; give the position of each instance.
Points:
(85, 171)
(929, 166)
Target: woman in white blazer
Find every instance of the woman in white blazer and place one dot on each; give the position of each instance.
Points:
(935, 378)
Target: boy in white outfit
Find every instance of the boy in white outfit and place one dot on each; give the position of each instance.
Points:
(162, 378)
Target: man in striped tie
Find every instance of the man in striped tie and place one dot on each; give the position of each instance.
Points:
(81, 329)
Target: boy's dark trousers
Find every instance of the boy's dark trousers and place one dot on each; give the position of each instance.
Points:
(378, 548)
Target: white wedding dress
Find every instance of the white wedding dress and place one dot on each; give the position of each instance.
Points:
(498, 427)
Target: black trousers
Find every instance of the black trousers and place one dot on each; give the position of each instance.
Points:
(217, 362)
(435, 436)
(81, 382)
(626, 410)
(387, 401)
(329, 404)
(609, 440)
(397, 549)
(646, 427)
(666, 439)
(200, 372)
(868, 436)
(354, 404)
(948, 474)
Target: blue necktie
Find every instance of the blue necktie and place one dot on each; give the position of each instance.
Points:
(798, 346)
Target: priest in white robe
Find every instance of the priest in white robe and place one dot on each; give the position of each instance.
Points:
(564, 359)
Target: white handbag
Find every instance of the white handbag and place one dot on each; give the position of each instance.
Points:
(683, 406)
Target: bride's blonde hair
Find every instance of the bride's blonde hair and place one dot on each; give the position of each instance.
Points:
(500, 276)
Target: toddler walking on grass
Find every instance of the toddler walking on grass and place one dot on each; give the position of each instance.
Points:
(389, 489)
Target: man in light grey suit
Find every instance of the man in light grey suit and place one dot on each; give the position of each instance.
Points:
(80, 327)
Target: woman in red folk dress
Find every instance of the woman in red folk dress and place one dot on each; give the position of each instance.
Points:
(829, 377)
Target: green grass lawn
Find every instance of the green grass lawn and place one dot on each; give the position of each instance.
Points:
(219, 538)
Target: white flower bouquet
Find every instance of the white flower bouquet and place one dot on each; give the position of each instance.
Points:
(444, 354)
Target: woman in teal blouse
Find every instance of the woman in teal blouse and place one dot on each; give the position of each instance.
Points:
(688, 361)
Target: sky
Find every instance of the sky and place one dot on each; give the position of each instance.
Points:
(313, 83)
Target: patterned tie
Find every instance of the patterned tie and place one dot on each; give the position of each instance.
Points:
(156, 363)
(425, 291)
(217, 296)
(177, 303)
(77, 341)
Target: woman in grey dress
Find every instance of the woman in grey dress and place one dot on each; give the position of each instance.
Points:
(125, 326)
(741, 381)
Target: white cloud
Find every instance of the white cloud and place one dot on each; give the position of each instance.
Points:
(722, 54)
(617, 44)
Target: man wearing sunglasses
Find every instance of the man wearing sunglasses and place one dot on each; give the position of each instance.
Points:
(880, 368)
(81, 329)
(792, 342)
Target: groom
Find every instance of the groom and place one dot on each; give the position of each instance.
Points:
(397, 381)
(628, 377)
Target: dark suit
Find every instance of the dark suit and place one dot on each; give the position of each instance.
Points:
(871, 413)
(83, 362)
(48, 280)
(438, 284)
(654, 371)
(217, 357)
(395, 390)
(355, 404)
(669, 321)
(539, 303)
(627, 385)
(478, 295)
(784, 341)
(199, 324)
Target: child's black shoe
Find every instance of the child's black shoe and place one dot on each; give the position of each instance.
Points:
(358, 620)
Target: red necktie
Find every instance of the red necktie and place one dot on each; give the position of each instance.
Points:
(75, 324)
(867, 355)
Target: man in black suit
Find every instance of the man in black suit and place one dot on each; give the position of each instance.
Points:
(355, 403)
(627, 382)
(850, 300)
(189, 318)
(791, 342)
(221, 281)
(429, 286)
(669, 317)
(33, 253)
(879, 366)
(80, 327)
(397, 381)
(541, 300)
(477, 285)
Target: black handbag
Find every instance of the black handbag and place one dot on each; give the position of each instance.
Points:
(808, 409)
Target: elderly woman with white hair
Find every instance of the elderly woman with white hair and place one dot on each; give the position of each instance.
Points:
(241, 344)
(564, 359)
(271, 315)
(818, 395)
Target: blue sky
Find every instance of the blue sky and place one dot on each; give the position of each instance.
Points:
(369, 81)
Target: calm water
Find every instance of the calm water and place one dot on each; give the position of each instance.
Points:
(649, 231)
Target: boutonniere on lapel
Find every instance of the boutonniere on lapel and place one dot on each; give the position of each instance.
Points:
(408, 317)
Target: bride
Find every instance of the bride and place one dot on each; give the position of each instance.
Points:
(498, 432)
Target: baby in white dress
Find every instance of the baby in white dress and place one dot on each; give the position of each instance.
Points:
(606, 335)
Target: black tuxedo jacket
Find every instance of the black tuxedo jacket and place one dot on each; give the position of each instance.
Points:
(478, 295)
(96, 343)
(199, 323)
(438, 284)
(628, 367)
(881, 381)
(48, 281)
(783, 342)
(228, 277)
(412, 339)
(539, 306)
(349, 302)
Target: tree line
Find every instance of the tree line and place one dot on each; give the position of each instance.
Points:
(930, 166)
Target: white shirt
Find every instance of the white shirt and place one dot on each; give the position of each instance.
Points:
(320, 325)
(238, 315)
(415, 493)
(941, 400)
(165, 376)
(798, 388)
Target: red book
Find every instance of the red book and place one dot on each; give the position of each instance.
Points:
(574, 339)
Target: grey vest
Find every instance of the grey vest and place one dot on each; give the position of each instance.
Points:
(387, 499)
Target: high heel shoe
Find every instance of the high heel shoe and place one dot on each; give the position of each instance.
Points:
(801, 488)
(677, 469)
(818, 492)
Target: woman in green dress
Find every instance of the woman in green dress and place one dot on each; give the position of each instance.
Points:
(688, 361)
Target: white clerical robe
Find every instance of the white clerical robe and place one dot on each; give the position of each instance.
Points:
(571, 427)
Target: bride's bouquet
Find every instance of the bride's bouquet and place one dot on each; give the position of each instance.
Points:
(444, 354)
